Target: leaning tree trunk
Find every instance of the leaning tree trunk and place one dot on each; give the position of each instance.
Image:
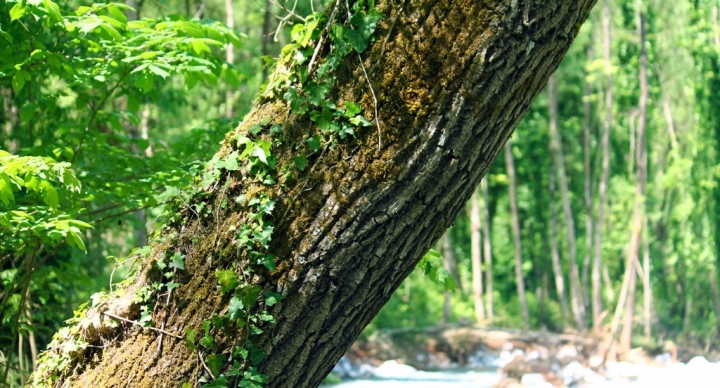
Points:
(452, 80)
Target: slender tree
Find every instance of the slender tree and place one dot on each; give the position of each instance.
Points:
(519, 279)
(576, 301)
(487, 250)
(605, 179)
(476, 258)
(554, 253)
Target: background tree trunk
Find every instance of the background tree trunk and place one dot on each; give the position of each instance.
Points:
(519, 279)
(576, 301)
(451, 266)
(554, 253)
(487, 250)
(605, 179)
(452, 79)
(587, 186)
(476, 258)
(230, 55)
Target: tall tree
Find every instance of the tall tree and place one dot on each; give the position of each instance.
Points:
(515, 221)
(587, 183)
(340, 235)
(626, 299)
(576, 300)
(487, 251)
(451, 265)
(554, 252)
(605, 179)
(476, 258)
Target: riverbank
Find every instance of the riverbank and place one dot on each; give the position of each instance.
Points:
(460, 357)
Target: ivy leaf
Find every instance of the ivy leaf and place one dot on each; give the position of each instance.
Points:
(314, 142)
(351, 109)
(177, 261)
(271, 298)
(316, 92)
(172, 285)
(190, 336)
(249, 295)
(227, 280)
(323, 119)
(231, 161)
(360, 121)
(235, 309)
(300, 162)
(357, 40)
(215, 363)
(269, 262)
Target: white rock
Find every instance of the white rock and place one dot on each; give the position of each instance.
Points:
(392, 370)
(533, 380)
(566, 351)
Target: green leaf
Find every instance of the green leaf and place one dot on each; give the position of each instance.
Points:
(190, 336)
(309, 28)
(227, 279)
(269, 262)
(235, 309)
(177, 261)
(314, 142)
(316, 92)
(271, 298)
(323, 119)
(215, 363)
(27, 112)
(358, 41)
(351, 109)
(199, 46)
(207, 341)
(54, 11)
(50, 196)
(249, 295)
(360, 121)
(18, 10)
(159, 71)
(300, 162)
(19, 79)
(231, 161)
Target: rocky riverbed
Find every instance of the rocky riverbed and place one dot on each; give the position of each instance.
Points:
(469, 357)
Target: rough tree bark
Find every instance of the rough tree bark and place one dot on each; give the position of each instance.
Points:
(476, 258)
(576, 298)
(519, 279)
(452, 79)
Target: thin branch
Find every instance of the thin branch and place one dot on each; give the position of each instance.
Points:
(322, 37)
(94, 114)
(377, 122)
(139, 324)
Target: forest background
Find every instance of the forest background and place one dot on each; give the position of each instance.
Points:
(601, 216)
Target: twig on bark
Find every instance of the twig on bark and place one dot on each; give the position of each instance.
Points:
(111, 315)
